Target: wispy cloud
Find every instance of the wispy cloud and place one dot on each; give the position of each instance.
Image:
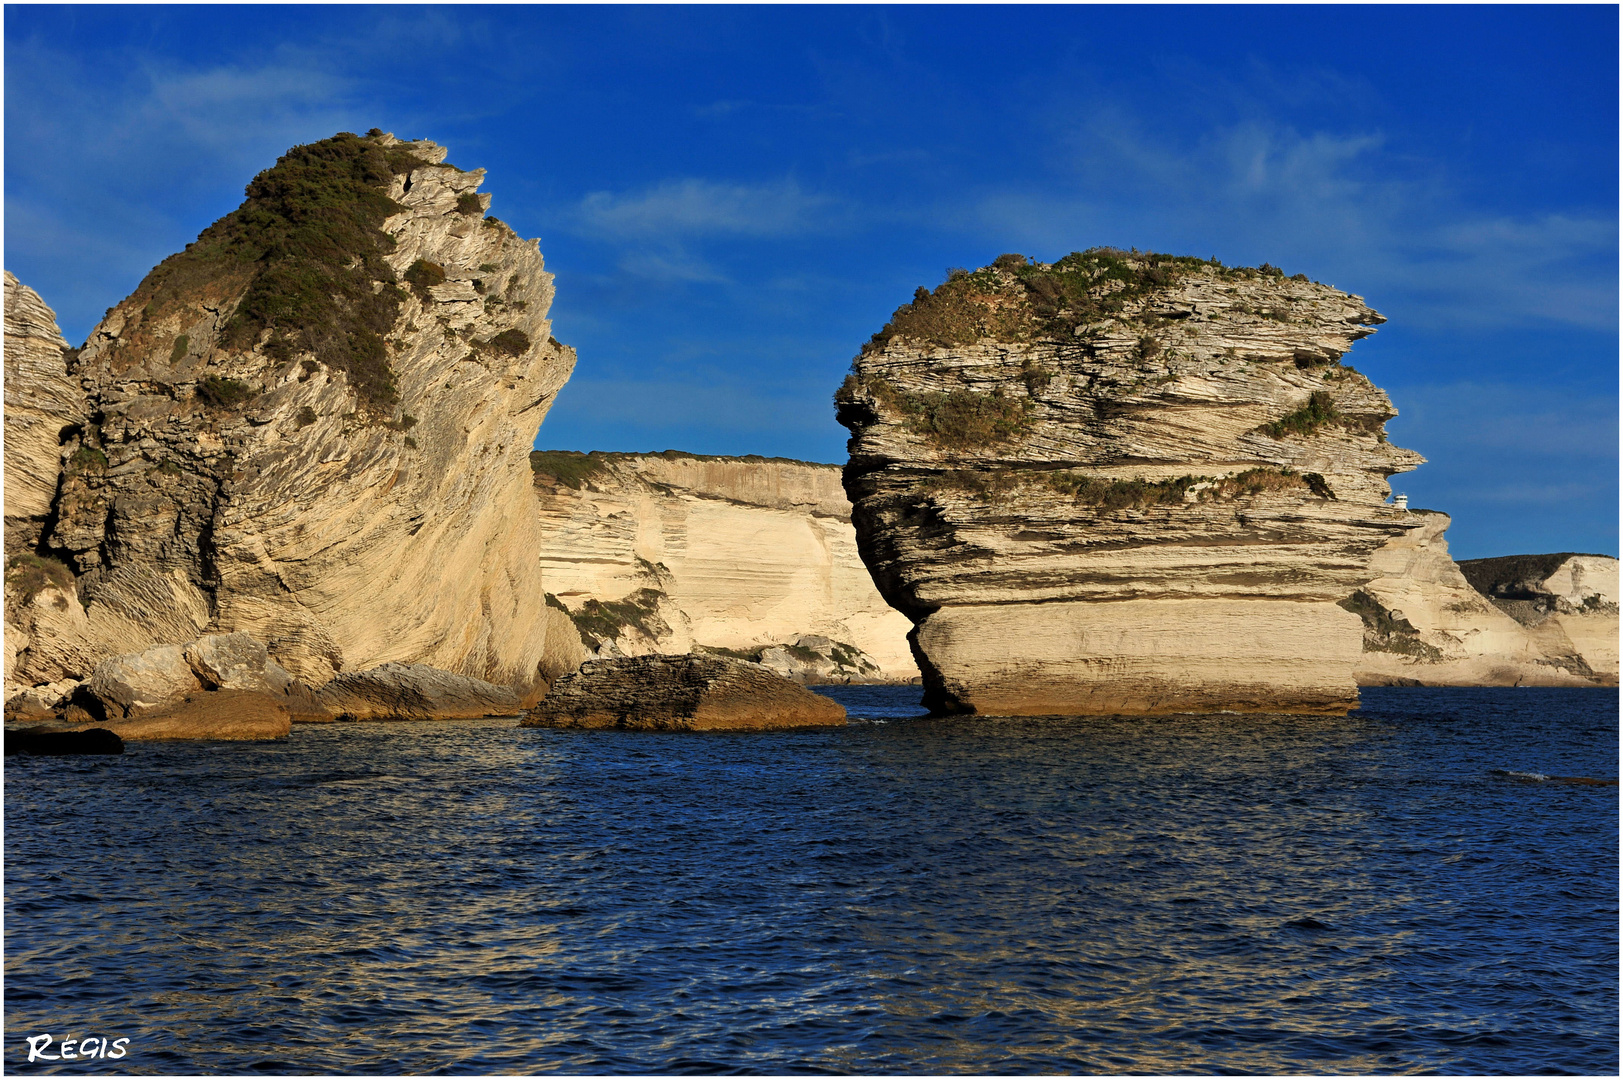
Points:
(696, 208)
(1333, 204)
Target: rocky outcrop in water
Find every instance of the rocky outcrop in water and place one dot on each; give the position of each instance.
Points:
(415, 692)
(667, 553)
(311, 426)
(680, 693)
(1123, 483)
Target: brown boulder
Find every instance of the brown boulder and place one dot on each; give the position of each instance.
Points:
(415, 692)
(220, 715)
(680, 693)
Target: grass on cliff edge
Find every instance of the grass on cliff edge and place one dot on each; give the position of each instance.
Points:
(1015, 299)
(573, 468)
(27, 575)
(1319, 412)
(306, 248)
(1126, 494)
(957, 419)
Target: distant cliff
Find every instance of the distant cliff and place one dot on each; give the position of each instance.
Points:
(1521, 620)
(1123, 482)
(312, 426)
(668, 552)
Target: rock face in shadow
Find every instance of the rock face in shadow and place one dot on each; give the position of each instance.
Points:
(1123, 483)
(40, 743)
(1520, 620)
(312, 426)
(667, 553)
(680, 693)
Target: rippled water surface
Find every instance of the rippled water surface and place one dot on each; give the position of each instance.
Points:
(1381, 893)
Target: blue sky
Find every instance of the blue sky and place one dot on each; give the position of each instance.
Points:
(734, 198)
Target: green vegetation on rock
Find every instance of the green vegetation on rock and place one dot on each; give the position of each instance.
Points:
(570, 468)
(1319, 411)
(87, 459)
(1385, 632)
(1015, 299)
(27, 575)
(512, 342)
(224, 393)
(306, 251)
(958, 419)
(599, 621)
(1127, 494)
(423, 275)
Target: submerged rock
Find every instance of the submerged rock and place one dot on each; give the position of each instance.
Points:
(41, 742)
(680, 693)
(1123, 483)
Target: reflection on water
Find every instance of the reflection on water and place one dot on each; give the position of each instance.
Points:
(1209, 893)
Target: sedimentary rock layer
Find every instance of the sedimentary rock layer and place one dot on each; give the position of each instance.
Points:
(1123, 483)
(735, 553)
(313, 426)
(42, 401)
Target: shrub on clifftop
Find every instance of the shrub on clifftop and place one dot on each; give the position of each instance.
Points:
(1015, 299)
(306, 247)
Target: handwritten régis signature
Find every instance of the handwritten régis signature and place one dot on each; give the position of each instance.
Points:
(74, 1049)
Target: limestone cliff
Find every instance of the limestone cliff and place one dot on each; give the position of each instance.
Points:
(312, 426)
(672, 551)
(1427, 623)
(1123, 482)
(42, 400)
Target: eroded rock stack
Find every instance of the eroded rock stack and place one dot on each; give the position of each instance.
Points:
(311, 426)
(1123, 482)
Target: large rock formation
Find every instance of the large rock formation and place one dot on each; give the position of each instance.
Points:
(662, 553)
(1123, 483)
(680, 693)
(42, 401)
(311, 426)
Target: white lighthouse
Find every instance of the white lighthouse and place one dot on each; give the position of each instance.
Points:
(1400, 502)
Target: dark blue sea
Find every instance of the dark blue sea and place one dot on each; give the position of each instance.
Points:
(1409, 889)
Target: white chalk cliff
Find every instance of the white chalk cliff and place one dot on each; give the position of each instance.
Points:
(1522, 620)
(734, 553)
